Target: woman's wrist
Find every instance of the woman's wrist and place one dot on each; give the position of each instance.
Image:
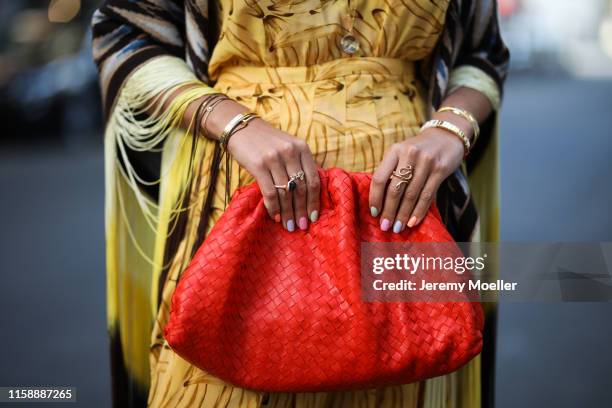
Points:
(223, 110)
(475, 106)
(462, 123)
(466, 115)
(221, 115)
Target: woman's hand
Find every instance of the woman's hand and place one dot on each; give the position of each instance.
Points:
(434, 154)
(272, 157)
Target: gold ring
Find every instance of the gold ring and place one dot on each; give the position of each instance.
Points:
(404, 174)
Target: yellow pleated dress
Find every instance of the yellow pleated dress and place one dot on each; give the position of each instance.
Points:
(340, 75)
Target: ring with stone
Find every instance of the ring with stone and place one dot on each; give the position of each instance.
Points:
(292, 183)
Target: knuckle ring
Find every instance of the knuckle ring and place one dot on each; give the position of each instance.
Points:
(404, 174)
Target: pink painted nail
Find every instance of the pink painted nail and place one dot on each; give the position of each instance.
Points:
(277, 218)
(412, 221)
(303, 223)
(385, 224)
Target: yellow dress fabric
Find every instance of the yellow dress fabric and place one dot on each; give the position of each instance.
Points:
(284, 61)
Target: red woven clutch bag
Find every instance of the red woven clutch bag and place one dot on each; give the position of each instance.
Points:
(272, 310)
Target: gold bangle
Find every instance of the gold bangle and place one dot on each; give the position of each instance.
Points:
(454, 129)
(465, 115)
(235, 124)
(232, 124)
(243, 123)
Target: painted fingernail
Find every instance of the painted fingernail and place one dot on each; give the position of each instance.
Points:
(303, 223)
(385, 224)
(277, 218)
(374, 211)
(290, 226)
(314, 216)
(397, 227)
(412, 222)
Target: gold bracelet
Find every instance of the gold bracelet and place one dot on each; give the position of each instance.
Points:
(212, 103)
(454, 129)
(232, 124)
(465, 115)
(245, 121)
(235, 124)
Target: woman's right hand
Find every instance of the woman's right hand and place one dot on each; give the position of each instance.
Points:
(272, 157)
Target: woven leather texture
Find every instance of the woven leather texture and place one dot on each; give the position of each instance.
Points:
(267, 309)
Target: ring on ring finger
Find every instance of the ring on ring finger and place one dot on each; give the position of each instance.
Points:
(292, 183)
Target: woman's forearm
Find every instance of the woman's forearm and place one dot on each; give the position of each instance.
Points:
(218, 118)
(467, 99)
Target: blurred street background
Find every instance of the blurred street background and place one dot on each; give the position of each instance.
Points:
(556, 186)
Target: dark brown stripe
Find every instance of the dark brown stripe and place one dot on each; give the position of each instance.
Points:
(124, 70)
(126, 391)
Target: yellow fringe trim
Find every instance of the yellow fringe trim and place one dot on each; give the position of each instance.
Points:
(136, 226)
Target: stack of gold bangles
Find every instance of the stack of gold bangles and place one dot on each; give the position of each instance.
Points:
(237, 123)
(443, 124)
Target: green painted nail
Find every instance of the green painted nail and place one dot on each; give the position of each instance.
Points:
(374, 211)
(314, 216)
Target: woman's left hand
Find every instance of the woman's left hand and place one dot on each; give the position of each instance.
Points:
(433, 155)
